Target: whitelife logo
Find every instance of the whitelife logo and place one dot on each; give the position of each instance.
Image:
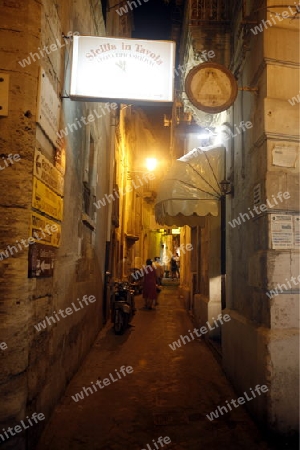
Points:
(273, 293)
(203, 330)
(129, 188)
(47, 49)
(292, 101)
(71, 127)
(68, 311)
(166, 259)
(124, 9)
(161, 441)
(106, 381)
(50, 229)
(280, 17)
(263, 208)
(10, 160)
(241, 400)
(19, 428)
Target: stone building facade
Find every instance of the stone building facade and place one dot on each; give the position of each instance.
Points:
(259, 42)
(261, 344)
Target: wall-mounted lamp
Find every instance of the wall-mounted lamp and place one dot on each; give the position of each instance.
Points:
(226, 187)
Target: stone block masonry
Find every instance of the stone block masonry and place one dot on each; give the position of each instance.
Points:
(33, 376)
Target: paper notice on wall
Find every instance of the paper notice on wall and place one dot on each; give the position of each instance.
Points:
(282, 231)
(296, 231)
(284, 156)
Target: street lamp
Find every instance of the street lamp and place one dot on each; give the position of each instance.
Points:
(226, 187)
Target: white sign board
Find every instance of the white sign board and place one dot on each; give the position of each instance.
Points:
(48, 107)
(297, 231)
(122, 69)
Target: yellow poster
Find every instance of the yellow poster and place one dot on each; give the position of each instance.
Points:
(44, 230)
(45, 171)
(45, 200)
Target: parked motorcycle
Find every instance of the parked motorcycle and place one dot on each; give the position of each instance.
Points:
(123, 306)
(136, 281)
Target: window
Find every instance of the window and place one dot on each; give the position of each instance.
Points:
(89, 178)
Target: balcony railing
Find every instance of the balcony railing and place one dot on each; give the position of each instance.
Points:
(209, 12)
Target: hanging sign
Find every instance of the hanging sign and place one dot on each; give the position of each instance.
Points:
(211, 87)
(122, 69)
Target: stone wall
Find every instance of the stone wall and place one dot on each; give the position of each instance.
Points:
(260, 343)
(36, 366)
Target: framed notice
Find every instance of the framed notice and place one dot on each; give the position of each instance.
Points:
(44, 230)
(106, 68)
(41, 261)
(47, 201)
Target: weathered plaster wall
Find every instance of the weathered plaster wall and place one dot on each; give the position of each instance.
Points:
(207, 303)
(186, 288)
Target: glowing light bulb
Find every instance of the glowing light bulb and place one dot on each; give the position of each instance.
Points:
(151, 164)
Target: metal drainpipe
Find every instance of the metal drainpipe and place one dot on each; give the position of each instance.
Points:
(223, 251)
(108, 246)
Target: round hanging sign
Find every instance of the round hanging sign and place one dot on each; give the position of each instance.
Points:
(211, 87)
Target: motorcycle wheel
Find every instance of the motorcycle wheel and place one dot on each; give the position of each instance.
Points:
(126, 321)
(119, 322)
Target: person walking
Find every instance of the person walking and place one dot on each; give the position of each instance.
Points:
(177, 259)
(173, 268)
(149, 285)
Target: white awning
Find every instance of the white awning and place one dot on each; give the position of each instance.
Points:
(191, 188)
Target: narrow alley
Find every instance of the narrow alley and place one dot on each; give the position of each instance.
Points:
(148, 143)
(168, 394)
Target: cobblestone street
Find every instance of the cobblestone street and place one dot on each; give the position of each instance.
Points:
(169, 392)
